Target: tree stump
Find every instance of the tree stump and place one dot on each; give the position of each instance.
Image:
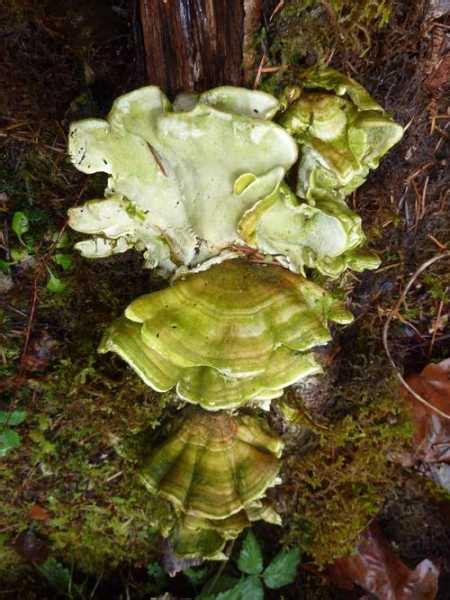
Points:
(193, 45)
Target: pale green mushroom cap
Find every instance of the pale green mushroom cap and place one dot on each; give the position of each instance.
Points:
(179, 182)
(342, 133)
(232, 316)
(207, 386)
(191, 184)
(213, 466)
(301, 235)
(234, 333)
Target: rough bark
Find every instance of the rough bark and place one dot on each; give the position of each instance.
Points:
(193, 45)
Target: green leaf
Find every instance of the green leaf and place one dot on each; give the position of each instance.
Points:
(232, 594)
(57, 575)
(19, 254)
(213, 586)
(158, 578)
(11, 418)
(4, 265)
(249, 588)
(9, 440)
(155, 570)
(20, 224)
(196, 576)
(54, 284)
(250, 559)
(283, 569)
(63, 260)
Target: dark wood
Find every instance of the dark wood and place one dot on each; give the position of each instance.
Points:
(193, 45)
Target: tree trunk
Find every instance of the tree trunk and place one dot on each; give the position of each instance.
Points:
(193, 45)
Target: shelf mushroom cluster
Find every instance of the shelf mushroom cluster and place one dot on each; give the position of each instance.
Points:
(237, 332)
(199, 187)
(215, 469)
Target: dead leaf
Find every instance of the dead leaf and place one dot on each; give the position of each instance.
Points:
(375, 568)
(438, 64)
(438, 81)
(40, 354)
(431, 432)
(38, 513)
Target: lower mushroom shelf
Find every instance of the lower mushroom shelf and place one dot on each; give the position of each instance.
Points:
(215, 469)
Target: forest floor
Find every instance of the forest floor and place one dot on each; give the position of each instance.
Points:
(73, 520)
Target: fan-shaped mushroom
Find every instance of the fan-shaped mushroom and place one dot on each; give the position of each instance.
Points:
(236, 332)
(195, 537)
(194, 181)
(214, 470)
(342, 132)
(213, 466)
(179, 180)
(302, 235)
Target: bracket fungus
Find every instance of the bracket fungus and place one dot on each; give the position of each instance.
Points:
(196, 185)
(195, 182)
(302, 235)
(215, 470)
(193, 537)
(343, 133)
(237, 332)
(180, 177)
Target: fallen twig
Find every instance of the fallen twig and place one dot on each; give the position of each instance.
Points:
(387, 325)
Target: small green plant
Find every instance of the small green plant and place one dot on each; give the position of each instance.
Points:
(58, 576)
(158, 579)
(280, 572)
(21, 224)
(10, 439)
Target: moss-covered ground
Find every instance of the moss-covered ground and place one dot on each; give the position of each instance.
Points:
(69, 489)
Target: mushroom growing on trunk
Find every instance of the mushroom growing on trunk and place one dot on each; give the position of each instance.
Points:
(237, 332)
(215, 470)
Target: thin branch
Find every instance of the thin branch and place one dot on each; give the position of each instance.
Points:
(387, 325)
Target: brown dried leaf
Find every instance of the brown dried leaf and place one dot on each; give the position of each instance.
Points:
(38, 513)
(432, 432)
(438, 81)
(40, 353)
(375, 568)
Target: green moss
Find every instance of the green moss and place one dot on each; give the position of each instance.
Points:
(82, 409)
(342, 482)
(313, 29)
(82, 413)
(100, 515)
